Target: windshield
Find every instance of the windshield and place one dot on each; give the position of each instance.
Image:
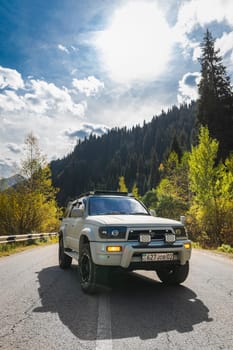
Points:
(115, 206)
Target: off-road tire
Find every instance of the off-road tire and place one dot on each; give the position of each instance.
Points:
(92, 276)
(173, 275)
(64, 259)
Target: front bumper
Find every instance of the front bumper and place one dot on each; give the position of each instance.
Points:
(131, 252)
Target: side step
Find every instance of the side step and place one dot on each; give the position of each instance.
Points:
(72, 254)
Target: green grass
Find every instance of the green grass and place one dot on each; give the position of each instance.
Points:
(225, 249)
(196, 245)
(11, 248)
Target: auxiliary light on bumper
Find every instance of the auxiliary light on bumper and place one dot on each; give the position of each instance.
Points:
(187, 245)
(114, 248)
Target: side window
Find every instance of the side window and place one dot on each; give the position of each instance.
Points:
(80, 204)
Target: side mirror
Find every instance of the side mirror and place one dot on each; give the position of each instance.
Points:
(182, 219)
(152, 212)
(77, 212)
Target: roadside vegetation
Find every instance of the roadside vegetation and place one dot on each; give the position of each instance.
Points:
(29, 206)
(16, 247)
(199, 184)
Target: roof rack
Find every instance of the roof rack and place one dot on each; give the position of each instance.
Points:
(117, 193)
(100, 192)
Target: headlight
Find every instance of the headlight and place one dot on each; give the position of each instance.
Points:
(112, 232)
(180, 231)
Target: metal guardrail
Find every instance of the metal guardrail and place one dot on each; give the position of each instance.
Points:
(23, 238)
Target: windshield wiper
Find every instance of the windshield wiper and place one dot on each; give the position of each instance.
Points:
(123, 213)
(115, 213)
(139, 213)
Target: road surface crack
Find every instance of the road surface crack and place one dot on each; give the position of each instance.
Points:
(15, 325)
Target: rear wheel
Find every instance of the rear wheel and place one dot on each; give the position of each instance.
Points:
(92, 276)
(64, 260)
(173, 275)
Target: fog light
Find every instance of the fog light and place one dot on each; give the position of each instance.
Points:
(114, 248)
(187, 245)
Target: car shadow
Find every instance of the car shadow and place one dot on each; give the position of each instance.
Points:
(140, 306)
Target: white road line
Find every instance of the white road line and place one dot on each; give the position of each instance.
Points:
(104, 328)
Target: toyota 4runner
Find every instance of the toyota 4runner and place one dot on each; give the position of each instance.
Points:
(104, 230)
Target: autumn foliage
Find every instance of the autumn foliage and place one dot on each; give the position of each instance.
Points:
(30, 206)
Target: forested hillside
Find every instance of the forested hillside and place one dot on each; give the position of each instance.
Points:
(98, 162)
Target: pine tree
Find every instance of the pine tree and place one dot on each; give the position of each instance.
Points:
(215, 104)
(176, 147)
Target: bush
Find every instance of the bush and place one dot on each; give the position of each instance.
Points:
(171, 207)
(225, 248)
(150, 199)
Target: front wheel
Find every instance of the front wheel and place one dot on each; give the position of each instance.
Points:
(91, 275)
(64, 260)
(173, 275)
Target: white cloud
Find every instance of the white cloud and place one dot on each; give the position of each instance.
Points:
(13, 147)
(10, 101)
(10, 78)
(74, 48)
(128, 110)
(188, 89)
(59, 115)
(47, 97)
(137, 44)
(196, 52)
(62, 48)
(198, 13)
(43, 108)
(86, 130)
(225, 43)
(6, 166)
(89, 86)
(74, 71)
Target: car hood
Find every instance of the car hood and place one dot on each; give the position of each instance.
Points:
(131, 220)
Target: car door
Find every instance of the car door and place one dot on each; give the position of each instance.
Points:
(75, 226)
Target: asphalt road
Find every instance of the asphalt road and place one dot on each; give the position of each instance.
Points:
(43, 307)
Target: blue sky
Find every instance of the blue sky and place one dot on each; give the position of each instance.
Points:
(69, 68)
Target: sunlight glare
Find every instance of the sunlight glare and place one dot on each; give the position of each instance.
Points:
(137, 44)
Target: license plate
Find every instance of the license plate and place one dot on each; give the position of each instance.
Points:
(158, 257)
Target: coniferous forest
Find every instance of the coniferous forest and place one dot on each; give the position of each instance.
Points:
(98, 162)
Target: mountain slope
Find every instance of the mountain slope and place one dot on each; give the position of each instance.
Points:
(135, 153)
(10, 181)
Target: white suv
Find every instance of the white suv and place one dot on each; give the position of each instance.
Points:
(103, 230)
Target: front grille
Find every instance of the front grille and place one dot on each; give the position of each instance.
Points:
(156, 235)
